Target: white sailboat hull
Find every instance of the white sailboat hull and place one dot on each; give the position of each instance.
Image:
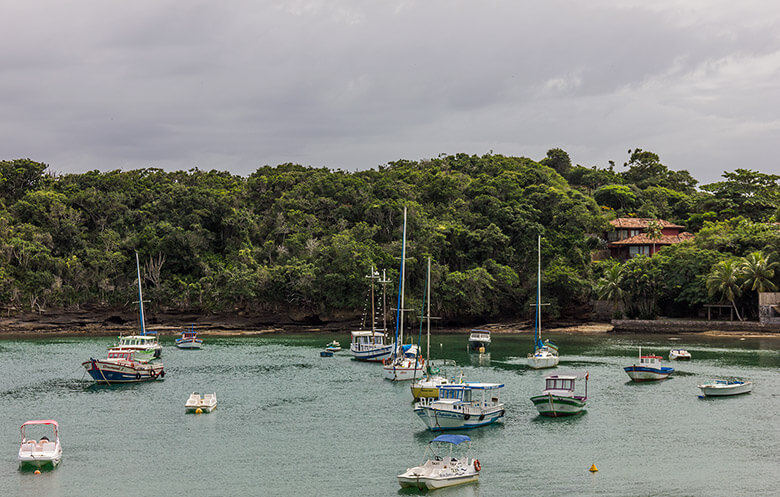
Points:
(443, 418)
(404, 371)
(538, 361)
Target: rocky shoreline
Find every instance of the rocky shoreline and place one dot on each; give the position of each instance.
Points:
(111, 323)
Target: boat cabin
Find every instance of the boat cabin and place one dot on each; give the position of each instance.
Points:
(367, 339)
(650, 360)
(479, 336)
(562, 385)
(126, 355)
(485, 394)
(137, 341)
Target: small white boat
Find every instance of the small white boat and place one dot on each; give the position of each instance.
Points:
(679, 355)
(648, 369)
(442, 471)
(558, 398)
(189, 339)
(40, 453)
(479, 340)
(406, 366)
(333, 346)
(722, 388)
(205, 403)
(462, 406)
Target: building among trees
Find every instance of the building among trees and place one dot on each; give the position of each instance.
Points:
(633, 236)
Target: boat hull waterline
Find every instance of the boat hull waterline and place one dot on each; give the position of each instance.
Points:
(558, 406)
(640, 373)
(104, 372)
(438, 420)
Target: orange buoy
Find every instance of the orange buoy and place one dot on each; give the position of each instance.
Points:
(37, 471)
(593, 468)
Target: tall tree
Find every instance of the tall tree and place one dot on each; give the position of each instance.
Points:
(725, 279)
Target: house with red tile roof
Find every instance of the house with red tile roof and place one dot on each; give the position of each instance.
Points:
(630, 237)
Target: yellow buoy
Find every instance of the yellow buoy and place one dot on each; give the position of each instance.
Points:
(482, 350)
(198, 411)
(593, 468)
(37, 471)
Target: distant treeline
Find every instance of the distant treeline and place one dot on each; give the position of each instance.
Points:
(295, 237)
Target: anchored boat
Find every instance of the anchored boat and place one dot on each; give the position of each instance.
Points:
(40, 453)
(545, 354)
(648, 369)
(722, 388)
(462, 406)
(679, 355)
(442, 471)
(203, 403)
(189, 339)
(122, 367)
(558, 398)
(370, 345)
(479, 340)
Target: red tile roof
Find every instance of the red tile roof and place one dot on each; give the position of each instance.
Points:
(643, 239)
(640, 222)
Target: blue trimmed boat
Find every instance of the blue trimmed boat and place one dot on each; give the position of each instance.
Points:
(648, 369)
(122, 367)
(442, 470)
(370, 345)
(462, 406)
(189, 339)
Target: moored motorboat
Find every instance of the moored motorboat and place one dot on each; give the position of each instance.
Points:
(462, 406)
(679, 355)
(40, 453)
(122, 367)
(203, 403)
(333, 346)
(479, 340)
(648, 369)
(189, 339)
(441, 471)
(722, 388)
(558, 398)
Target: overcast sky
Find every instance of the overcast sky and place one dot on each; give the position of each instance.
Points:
(349, 84)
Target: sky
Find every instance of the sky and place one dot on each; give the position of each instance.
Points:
(355, 84)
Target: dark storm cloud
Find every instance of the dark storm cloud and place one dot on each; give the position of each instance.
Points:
(353, 84)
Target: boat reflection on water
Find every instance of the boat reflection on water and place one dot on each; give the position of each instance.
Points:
(478, 359)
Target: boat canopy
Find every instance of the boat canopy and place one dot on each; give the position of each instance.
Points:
(568, 375)
(480, 331)
(41, 422)
(474, 385)
(453, 439)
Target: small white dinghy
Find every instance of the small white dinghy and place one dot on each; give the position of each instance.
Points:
(205, 403)
(43, 453)
(679, 355)
(722, 388)
(442, 471)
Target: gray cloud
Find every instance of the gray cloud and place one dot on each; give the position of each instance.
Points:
(354, 84)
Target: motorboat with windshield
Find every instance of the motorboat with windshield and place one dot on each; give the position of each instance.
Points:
(440, 470)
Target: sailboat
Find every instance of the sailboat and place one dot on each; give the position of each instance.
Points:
(144, 346)
(545, 353)
(369, 345)
(428, 387)
(405, 363)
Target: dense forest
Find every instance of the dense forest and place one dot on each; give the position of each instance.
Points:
(294, 237)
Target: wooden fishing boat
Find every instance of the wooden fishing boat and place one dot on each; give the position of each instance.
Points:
(558, 398)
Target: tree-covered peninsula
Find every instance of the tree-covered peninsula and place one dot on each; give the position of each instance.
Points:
(303, 239)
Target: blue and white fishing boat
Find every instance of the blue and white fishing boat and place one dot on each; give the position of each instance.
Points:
(405, 362)
(146, 346)
(648, 369)
(442, 470)
(122, 367)
(545, 354)
(371, 345)
(462, 406)
(189, 339)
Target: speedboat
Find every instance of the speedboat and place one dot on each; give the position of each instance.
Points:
(479, 340)
(679, 355)
(648, 369)
(333, 346)
(40, 453)
(442, 471)
(558, 398)
(462, 406)
(189, 339)
(122, 367)
(203, 403)
(722, 388)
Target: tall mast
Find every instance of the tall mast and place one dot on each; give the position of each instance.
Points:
(539, 288)
(384, 281)
(373, 311)
(401, 309)
(428, 350)
(140, 295)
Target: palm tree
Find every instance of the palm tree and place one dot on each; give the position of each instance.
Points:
(725, 278)
(608, 287)
(654, 232)
(757, 272)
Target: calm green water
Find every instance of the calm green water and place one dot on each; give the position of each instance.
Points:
(292, 423)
